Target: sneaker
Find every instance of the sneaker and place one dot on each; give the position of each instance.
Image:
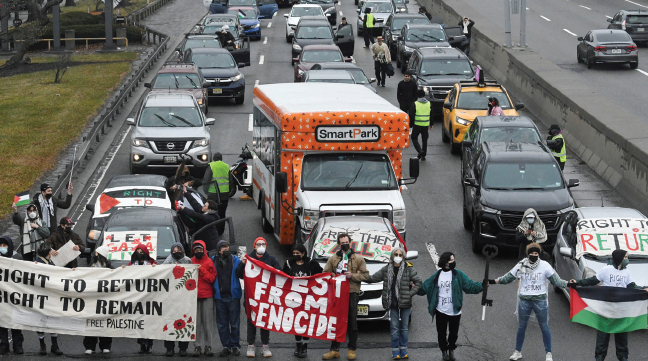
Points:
(365, 46)
(105, 350)
(250, 351)
(403, 353)
(197, 351)
(208, 351)
(351, 355)
(331, 355)
(549, 357)
(245, 197)
(516, 355)
(224, 352)
(266, 351)
(395, 355)
(236, 351)
(88, 352)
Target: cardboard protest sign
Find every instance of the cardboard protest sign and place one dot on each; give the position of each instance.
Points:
(136, 302)
(315, 306)
(600, 237)
(370, 244)
(122, 244)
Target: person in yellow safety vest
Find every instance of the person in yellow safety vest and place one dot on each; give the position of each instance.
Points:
(216, 184)
(367, 27)
(559, 150)
(420, 114)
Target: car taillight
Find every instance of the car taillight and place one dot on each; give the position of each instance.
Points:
(631, 47)
(600, 48)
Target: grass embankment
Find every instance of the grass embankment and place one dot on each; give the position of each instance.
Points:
(38, 118)
(84, 5)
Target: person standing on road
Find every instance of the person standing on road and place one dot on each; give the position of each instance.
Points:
(406, 92)
(615, 274)
(381, 57)
(48, 205)
(421, 112)
(216, 184)
(7, 250)
(100, 260)
(397, 278)
(207, 215)
(141, 257)
(205, 306)
(466, 30)
(63, 235)
(44, 255)
(353, 266)
(530, 230)
(368, 22)
(178, 256)
(444, 290)
(559, 150)
(301, 266)
(32, 230)
(227, 294)
(533, 274)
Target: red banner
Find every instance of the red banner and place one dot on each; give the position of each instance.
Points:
(315, 306)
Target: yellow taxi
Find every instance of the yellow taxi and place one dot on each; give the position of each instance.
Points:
(468, 100)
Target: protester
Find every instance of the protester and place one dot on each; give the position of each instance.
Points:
(205, 306)
(226, 38)
(345, 261)
(406, 92)
(260, 254)
(174, 183)
(227, 293)
(32, 231)
(444, 290)
(216, 185)
(533, 274)
(301, 266)
(208, 214)
(368, 22)
(178, 256)
(530, 230)
(63, 235)
(7, 250)
(466, 29)
(421, 112)
(45, 201)
(397, 278)
(100, 260)
(141, 257)
(44, 255)
(381, 57)
(494, 107)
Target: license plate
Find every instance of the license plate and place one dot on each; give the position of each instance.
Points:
(641, 29)
(363, 310)
(217, 91)
(616, 51)
(170, 159)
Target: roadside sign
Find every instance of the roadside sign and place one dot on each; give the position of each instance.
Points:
(17, 22)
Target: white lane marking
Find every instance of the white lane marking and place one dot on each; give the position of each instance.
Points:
(584, 7)
(546, 18)
(433, 253)
(256, 83)
(569, 32)
(528, 9)
(269, 25)
(250, 120)
(341, 14)
(261, 60)
(632, 2)
(642, 72)
(265, 40)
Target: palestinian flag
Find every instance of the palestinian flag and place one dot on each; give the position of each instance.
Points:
(21, 199)
(610, 309)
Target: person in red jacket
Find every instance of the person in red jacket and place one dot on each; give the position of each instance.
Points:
(205, 307)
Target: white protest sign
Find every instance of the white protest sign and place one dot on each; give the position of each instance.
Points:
(65, 254)
(601, 236)
(122, 244)
(368, 243)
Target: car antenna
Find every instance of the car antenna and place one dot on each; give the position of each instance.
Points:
(602, 205)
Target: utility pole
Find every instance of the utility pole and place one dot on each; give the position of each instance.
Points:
(56, 27)
(507, 23)
(108, 11)
(522, 23)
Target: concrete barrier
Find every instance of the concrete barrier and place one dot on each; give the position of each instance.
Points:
(611, 141)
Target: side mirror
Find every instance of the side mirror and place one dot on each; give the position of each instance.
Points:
(573, 183)
(466, 143)
(147, 85)
(339, 36)
(286, 16)
(206, 85)
(210, 121)
(94, 235)
(450, 38)
(609, 20)
(566, 252)
(130, 121)
(328, 15)
(90, 207)
(580, 38)
(281, 182)
(447, 106)
(348, 60)
(372, 80)
(413, 167)
(411, 255)
(241, 65)
(471, 182)
(519, 106)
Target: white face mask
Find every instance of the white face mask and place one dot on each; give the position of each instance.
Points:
(260, 250)
(398, 260)
(530, 220)
(32, 215)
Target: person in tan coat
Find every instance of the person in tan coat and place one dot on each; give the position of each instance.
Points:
(347, 262)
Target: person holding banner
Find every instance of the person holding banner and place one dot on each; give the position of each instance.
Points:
(48, 205)
(63, 235)
(227, 294)
(141, 257)
(353, 266)
(44, 254)
(6, 250)
(301, 266)
(32, 231)
(100, 260)
(397, 278)
(205, 306)
(177, 256)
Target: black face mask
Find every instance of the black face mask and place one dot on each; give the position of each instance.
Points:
(48, 195)
(68, 230)
(297, 257)
(345, 248)
(138, 257)
(533, 259)
(452, 265)
(199, 254)
(177, 255)
(225, 254)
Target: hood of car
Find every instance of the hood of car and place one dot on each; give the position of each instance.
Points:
(219, 72)
(518, 201)
(175, 133)
(304, 42)
(443, 80)
(472, 114)
(249, 22)
(422, 44)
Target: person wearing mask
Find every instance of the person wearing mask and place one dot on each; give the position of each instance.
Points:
(444, 290)
(208, 214)
(530, 230)
(7, 250)
(142, 257)
(44, 255)
(260, 253)
(227, 294)
(406, 92)
(397, 277)
(615, 274)
(216, 183)
(32, 231)
(381, 57)
(421, 111)
(346, 262)
(205, 306)
(178, 256)
(466, 30)
(99, 260)
(63, 235)
(494, 107)
(368, 22)
(48, 205)
(558, 150)
(226, 38)
(533, 274)
(301, 265)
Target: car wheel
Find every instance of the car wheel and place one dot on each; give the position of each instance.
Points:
(403, 68)
(444, 137)
(265, 225)
(476, 242)
(578, 59)
(356, 2)
(466, 220)
(239, 100)
(288, 39)
(233, 187)
(634, 65)
(359, 32)
(455, 148)
(589, 63)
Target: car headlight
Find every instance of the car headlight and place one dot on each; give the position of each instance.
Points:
(462, 121)
(300, 72)
(407, 48)
(565, 210)
(140, 143)
(399, 219)
(486, 209)
(296, 47)
(402, 10)
(394, 37)
(200, 143)
(236, 77)
(310, 219)
(255, 26)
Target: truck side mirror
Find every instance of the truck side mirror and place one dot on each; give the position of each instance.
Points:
(147, 85)
(413, 167)
(281, 182)
(90, 207)
(447, 106)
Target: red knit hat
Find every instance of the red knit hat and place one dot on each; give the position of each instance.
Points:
(257, 240)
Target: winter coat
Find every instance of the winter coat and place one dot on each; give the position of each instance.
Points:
(206, 274)
(32, 238)
(313, 266)
(149, 260)
(183, 260)
(56, 203)
(460, 284)
(237, 268)
(10, 250)
(357, 267)
(469, 26)
(412, 111)
(59, 238)
(406, 291)
(406, 93)
(209, 235)
(266, 258)
(538, 227)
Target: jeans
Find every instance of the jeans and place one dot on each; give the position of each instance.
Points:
(90, 342)
(467, 46)
(443, 323)
(620, 342)
(368, 37)
(541, 309)
(424, 132)
(16, 336)
(352, 324)
(228, 319)
(399, 325)
(380, 72)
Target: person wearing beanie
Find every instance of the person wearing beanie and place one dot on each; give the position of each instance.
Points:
(227, 295)
(397, 277)
(205, 306)
(533, 274)
(7, 250)
(48, 205)
(301, 265)
(32, 231)
(615, 274)
(99, 260)
(178, 256)
(43, 255)
(559, 150)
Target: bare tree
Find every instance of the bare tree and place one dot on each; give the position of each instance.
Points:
(70, 3)
(62, 65)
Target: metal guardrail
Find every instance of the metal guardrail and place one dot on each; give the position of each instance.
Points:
(49, 41)
(135, 17)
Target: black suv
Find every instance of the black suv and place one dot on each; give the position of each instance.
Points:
(414, 36)
(221, 73)
(394, 24)
(437, 70)
(503, 181)
(634, 22)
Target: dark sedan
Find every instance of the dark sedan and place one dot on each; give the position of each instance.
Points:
(311, 31)
(221, 71)
(395, 23)
(313, 54)
(414, 36)
(607, 46)
(197, 41)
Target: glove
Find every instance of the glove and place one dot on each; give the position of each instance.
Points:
(572, 285)
(491, 282)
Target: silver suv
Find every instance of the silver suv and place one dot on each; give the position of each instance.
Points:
(167, 126)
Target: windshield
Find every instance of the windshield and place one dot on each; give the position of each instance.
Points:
(314, 32)
(170, 117)
(347, 172)
(307, 11)
(381, 7)
(214, 60)
(316, 1)
(446, 67)
(213, 29)
(479, 100)
(399, 23)
(177, 81)
(637, 19)
(399, 1)
(374, 245)
(244, 13)
(509, 134)
(160, 237)
(341, 81)
(241, 3)
(615, 37)
(512, 176)
(220, 20)
(359, 76)
(430, 35)
(202, 43)
(321, 56)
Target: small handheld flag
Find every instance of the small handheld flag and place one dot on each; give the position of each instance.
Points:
(21, 199)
